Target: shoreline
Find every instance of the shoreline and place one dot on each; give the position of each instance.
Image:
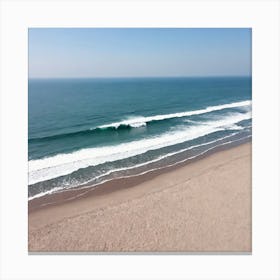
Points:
(117, 184)
(87, 223)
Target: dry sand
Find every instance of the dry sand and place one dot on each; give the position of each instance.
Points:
(204, 206)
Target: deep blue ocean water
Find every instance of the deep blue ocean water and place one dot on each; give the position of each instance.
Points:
(87, 131)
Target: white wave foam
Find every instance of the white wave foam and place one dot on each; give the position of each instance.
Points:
(63, 164)
(62, 188)
(142, 121)
(54, 190)
(235, 127)
(138, 124)
(159, 158)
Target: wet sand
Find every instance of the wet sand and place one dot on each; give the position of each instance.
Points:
(204, 206)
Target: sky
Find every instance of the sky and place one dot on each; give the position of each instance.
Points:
(138, 52)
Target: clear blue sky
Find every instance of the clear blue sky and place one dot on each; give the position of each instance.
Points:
(139, 52)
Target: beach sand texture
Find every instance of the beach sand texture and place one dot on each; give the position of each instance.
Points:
(204, 206)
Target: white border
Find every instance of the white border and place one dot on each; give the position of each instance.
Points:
(262, 16)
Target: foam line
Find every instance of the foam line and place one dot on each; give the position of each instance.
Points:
(59, 189)
(137, 122)
(142, 121)
(63, 164)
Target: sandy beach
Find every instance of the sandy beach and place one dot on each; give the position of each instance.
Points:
(204, 206)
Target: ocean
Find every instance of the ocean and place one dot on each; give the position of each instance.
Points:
(83, 132)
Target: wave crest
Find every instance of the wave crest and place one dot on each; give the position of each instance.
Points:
(137, 122)
(63, 164)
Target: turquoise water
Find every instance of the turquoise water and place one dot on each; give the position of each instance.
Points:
(87, 131)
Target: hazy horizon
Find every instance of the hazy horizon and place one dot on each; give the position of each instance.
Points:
(139, 52)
